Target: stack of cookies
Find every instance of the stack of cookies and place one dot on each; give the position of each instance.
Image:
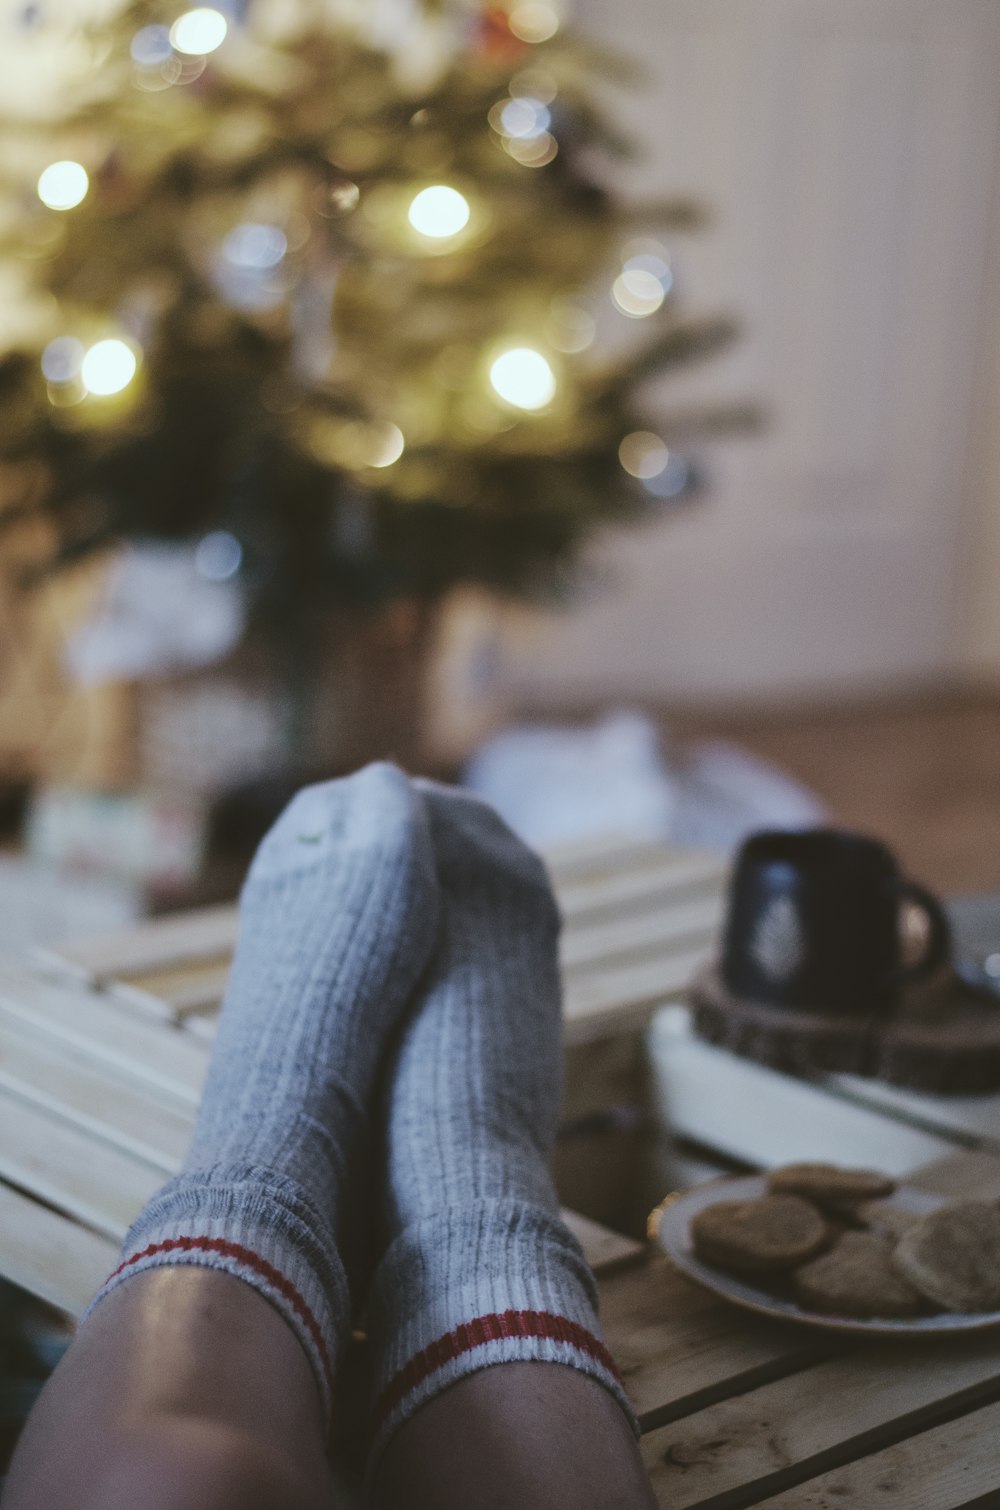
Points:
(831, 1237)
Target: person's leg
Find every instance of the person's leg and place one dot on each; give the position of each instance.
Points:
(525, 1436)
(492, 1384)
(185, 1389)
(248, 1245)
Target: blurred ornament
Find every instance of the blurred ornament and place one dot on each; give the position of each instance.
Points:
(522, 377)
(63, 185)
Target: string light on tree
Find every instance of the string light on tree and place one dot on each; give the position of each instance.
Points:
(108, 368)
(62, 359)
(199, 31)
(643, 454)
(439, 212)
(387, 446)
(569, 328)
(522, 377)
(637, 293)
(63, 185)
(533, 21)
(151, 46)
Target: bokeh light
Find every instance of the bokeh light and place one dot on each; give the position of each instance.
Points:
(439, 211)
(637, 293)
(569, 326)
(255, 246)
(218, 556)
(108, 367)
(199, 31)
(533, 21)
(387, 445)
(522, 377)
(535, 153)
(649, 262)
(676, 477)
(62, 359)
(523, 117)
(643, 454)
(151, 46)
(63, 185)
(534, 84)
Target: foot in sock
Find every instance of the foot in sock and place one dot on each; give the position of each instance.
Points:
(477, 1267)
(337, 920)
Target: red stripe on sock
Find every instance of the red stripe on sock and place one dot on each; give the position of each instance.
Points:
(253, 1261)
(473, 1334)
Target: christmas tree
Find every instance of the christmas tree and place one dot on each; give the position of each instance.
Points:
(322, 284)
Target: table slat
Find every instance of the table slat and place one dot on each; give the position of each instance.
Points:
(679, 1348)
(80, 1175)
(92, 1096)
(738, 1451)
(603, 1249)
(619, 999)
(660, 930)
(619, 892)
(172, 994)
(951, 1467)
(96, 1027)
(51, 1256)
(159, 944)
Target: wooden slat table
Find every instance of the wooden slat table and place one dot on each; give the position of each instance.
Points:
(101, 1062)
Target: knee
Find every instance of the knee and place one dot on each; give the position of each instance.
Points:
(182, 1463)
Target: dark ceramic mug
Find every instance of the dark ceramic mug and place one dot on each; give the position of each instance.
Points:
(815, 922)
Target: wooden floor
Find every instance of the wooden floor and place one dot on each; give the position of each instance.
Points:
(924, 776)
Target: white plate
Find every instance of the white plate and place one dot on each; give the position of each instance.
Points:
(670, 1226)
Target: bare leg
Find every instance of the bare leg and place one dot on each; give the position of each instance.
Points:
(184, 1391)
(520, 1436)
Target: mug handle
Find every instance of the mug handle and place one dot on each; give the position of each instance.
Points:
(938, 948)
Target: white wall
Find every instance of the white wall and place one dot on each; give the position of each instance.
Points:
(849, 149)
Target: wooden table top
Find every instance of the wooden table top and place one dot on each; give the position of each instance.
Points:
(101, 1063)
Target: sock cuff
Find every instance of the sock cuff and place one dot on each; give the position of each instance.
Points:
(494, 1282)
(257, 1230)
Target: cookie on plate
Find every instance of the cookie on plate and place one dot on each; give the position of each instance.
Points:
(857, 1278)
(763, 1236)
(884, 1219)
(952, 1255)
(829, 1185)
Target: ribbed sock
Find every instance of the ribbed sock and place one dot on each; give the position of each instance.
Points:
(477, 1268)
(337, 921)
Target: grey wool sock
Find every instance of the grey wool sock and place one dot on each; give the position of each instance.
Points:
(477, 1268)
(337, 920)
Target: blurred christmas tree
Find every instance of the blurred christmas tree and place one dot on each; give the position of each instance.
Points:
(321, 282)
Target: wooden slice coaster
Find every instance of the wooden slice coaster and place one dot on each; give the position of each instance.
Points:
(954, 1048)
